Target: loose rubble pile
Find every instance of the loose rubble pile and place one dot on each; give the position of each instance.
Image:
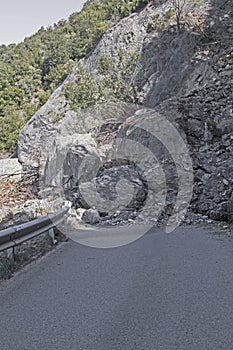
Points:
(206, 116)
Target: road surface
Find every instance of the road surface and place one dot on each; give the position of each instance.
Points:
(162, 292)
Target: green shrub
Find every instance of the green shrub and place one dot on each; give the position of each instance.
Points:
(112, 82)
(162, 21)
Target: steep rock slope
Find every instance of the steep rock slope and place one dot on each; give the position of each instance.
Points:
(186, 77)
(126, 35)
(206, 115)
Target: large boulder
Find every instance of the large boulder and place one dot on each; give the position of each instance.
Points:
(10, 167)
(91, 216)
(68, 154)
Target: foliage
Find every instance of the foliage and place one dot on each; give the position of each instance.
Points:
(159, 22)
(31, 70)
(7, 267)
(9, 126)
(112, 82)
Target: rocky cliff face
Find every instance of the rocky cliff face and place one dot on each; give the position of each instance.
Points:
(185, 78)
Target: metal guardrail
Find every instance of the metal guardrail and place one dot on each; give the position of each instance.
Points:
(15, 235)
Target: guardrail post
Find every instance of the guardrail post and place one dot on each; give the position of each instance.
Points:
(10, 253)
(52, 236)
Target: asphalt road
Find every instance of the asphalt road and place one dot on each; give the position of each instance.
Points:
(165, 291)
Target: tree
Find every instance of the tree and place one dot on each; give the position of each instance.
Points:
(179, 7)
(182, 8)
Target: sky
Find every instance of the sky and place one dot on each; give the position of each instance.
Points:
(21, 18)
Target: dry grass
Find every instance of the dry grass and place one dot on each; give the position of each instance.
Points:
(13, 191)
(26, 253)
